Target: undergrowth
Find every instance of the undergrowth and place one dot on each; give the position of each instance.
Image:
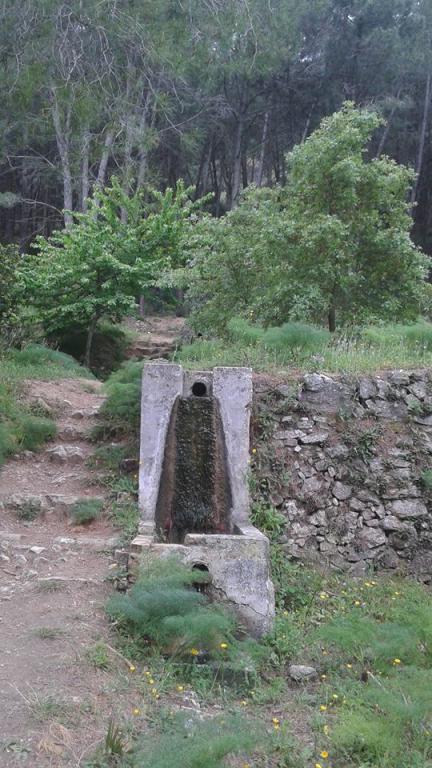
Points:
(19, 429)
(313, 349)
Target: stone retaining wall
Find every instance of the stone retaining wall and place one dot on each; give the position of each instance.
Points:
(346, 460)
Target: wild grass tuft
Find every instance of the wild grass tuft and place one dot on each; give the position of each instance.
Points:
(86, 511)
(197, 744)
(313, 349)
(120, 413)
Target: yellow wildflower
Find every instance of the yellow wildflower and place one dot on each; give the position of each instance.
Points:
(224, 646)
(275, 720)
(323, 596)
(253, 450)
(323, 677)
(357, 602)
(335, 696)
(326, 730)
(349, 666)
(136, 711)
(132, 668)
(324, 754)
(318, 765)
(194, 652)
(180, 688)
(396, 662)
(323, 708)
(244, 703)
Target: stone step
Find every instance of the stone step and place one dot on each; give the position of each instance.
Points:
(26, 542)
(71, 433)
(66, 454)
(42, 504)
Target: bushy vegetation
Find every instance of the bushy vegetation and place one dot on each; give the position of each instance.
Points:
(109, 346)
(96, 267)
(19, 429)
(36, 361)
(164, 609)
(310, 348)
(86, 511)
(332, 246)
(120, 413)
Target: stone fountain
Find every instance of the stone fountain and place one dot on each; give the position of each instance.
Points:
(193, 485)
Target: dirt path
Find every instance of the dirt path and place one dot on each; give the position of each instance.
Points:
(53, 585)
(156, 336)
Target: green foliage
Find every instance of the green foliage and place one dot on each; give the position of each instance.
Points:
(200, 744)
(240, 330)
(268, 520)
(346, 353)
(417, 336)
(28, 511)
(163, 608)
(120, 413)
(86, 511)
(334, 241)
(426, 479)
(10, 260)
(125, 515)
(296, 336)
(98, 656)
(19, 429)
(97, 266)
(38, 361)
(110, 343)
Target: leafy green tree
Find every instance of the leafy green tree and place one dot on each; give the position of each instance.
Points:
(97, 266)
(335, 242)
(10, 260)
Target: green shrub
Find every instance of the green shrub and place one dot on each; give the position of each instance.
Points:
(198, 744)
(415, 336)
(97, 655)
(120, 413)
(109, 346)
(164, 609)
(426, 479)
(240, 330)
(86, 511)
(39, 355)
(35, 431)
(20, 430)
(296, 336)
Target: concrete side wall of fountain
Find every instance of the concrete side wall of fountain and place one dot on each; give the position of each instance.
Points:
(196, 424)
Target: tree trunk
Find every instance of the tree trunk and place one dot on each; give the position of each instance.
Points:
(423, 132)
(332, 319)
(141, 306)
(142, 156)
(62, 133)
(237, 164)
(85, 154)
(260, 169)
(387, 127)
(89, 341)
(103, 165)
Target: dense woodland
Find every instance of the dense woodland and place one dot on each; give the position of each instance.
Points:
(209, 91)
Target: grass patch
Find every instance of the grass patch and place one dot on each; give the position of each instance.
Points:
(311, 349)
(120, 413)
(19, 429)
(98, 656)
(125, 516)
(86, 511)
(36, 361)
(29, 511)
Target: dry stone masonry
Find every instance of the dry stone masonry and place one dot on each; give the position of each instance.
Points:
(349, 463)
